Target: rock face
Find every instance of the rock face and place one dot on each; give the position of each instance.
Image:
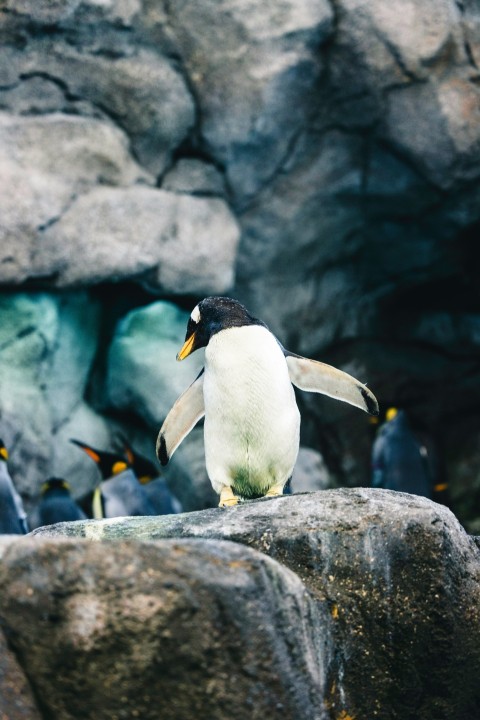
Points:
(399, 576)
(176, 233)
(164, 629)
(16, 698)
(319, 161)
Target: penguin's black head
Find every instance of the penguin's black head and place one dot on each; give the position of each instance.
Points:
(55, 483)
(3, 451)
(209, 317)
(109, 464)
(144, 469)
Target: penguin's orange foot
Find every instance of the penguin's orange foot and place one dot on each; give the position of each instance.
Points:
(275, 491)
(227, 497)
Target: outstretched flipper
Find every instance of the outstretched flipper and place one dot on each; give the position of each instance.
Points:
(184, 415)
(314, 376)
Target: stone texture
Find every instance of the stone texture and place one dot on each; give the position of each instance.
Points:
(250, 64)
(45, 162)
(168, 241)
(194, 177)
(108, 76)
(16, 698)
(452, 114)
(59, 225)
(44, 11)
(399, 574)
(164, 629)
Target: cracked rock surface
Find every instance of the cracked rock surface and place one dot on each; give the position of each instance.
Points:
(396, 574)
(177, 629)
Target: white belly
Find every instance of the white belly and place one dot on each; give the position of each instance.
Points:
(252, 422)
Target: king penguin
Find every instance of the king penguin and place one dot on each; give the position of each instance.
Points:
(155, 487)
(252, 422)
(56, 505)
(13, 518)
(119, 494)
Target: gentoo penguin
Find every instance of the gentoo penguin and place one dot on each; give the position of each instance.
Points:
(119, 494)
(56, 505)
(252, 423)
(13, 518)
(155, 487)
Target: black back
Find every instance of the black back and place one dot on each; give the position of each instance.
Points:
(56, 505)
(144, 469)
(105, 461)
(10, 523)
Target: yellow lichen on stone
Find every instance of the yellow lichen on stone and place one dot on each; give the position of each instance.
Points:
(345, 716)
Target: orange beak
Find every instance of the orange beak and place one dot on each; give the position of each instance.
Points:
(186, 348)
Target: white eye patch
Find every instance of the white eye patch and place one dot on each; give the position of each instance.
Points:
(195, 314)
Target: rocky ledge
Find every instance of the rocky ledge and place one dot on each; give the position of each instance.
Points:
(337, 604)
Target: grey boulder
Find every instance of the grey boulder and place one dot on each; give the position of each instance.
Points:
(176, 629)
(175, 243)
(46, 163)
(17, 701)
(400, 577)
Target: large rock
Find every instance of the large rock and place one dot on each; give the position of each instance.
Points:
(454, 105)
(46, 162)
(399, 574)
(255, 68)
(109, 76)
(194, 177)
(57, 224)
(16, 697)
(166, 630)
(168, 241)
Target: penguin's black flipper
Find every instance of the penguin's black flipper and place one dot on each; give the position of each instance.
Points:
(314, 376)
(184, 415)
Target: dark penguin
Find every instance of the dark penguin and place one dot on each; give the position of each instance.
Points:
(13, 518)
(399, 461)
(119, 494)
(155, 487)
(252, 423)
(56, 505)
